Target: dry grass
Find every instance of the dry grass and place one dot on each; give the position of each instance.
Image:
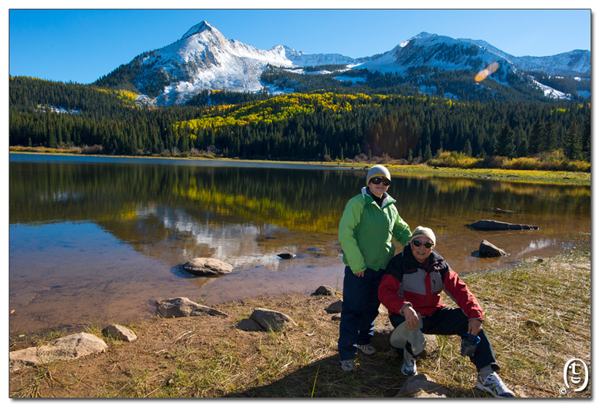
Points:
(538, 317)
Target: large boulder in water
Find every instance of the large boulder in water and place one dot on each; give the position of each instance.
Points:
(207, 267)
(486, 224)
(487, 249)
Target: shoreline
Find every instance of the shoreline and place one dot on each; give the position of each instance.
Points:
(216, 298)
(509, 267)
(420, 170)
(209, 357)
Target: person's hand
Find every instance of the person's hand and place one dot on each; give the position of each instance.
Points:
(411, 317)
(474, 327)
(361, 274)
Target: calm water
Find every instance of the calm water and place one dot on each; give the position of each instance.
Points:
(99, 240)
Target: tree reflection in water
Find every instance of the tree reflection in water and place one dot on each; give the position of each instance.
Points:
(165, 214)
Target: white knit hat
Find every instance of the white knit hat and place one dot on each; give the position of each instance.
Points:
(378, 171)
(423, 231)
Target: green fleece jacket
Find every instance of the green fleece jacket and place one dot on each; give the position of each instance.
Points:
(366, 232)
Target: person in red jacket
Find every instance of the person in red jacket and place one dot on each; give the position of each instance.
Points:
(410, 290)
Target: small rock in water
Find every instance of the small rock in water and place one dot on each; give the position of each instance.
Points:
(286, 256)
(207, 267)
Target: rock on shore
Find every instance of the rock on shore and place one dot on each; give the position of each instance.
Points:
(184, 307)
(66, 348)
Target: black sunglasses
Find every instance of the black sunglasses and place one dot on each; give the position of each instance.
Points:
(379, 180)
(418, 243)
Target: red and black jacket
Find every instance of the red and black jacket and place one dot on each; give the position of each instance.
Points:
(408, 282)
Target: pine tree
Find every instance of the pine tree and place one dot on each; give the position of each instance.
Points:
(505, 143)
(572, 143)
(551, 139)
(536, 141)
(586, 140)
(427, 153)
(467, 150)
(523, 149)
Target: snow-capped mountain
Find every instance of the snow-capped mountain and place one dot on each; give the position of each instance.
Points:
(448, 53)
(573, 63)
(432, 50)
(203, 59)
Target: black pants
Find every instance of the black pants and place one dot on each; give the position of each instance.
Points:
(360, 307)
(452, 321)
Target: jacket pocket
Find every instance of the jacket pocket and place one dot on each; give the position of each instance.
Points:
(437, 284)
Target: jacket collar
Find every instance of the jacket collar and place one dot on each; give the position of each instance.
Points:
(387, 199)
(409, 260)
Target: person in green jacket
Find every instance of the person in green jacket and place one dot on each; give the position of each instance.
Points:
(368, 223)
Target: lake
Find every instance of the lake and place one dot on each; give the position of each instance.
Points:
(99, 240)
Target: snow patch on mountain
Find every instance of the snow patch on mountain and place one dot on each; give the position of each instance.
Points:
(550, 92)
(58, 109)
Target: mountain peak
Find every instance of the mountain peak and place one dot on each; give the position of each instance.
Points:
(199, 28)
(424, 35)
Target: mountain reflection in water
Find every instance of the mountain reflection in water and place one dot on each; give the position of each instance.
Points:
(99, 239)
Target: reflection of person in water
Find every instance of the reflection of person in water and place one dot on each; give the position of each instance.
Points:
(368, 223)
(410, 290)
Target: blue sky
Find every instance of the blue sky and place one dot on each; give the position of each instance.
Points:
(82, 45)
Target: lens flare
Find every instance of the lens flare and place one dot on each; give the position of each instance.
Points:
(491, 68)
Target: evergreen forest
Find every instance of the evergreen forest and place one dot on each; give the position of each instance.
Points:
(357, 123)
